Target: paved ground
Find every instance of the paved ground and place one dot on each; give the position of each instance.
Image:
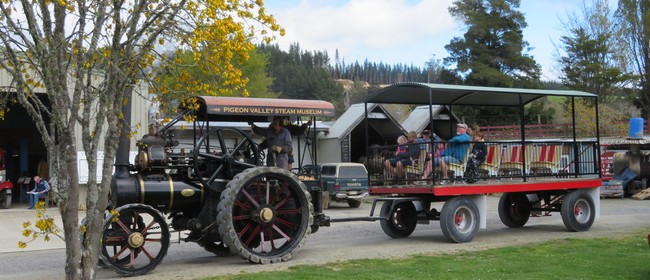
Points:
(12, 228)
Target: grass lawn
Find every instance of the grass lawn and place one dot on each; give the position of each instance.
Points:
(626, 257)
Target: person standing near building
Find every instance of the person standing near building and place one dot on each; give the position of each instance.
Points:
(278, 142)
(41, 188)
(294, 130)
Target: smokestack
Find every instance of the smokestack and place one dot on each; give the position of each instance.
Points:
(122, 154)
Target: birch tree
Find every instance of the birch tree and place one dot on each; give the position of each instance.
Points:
(84, 58)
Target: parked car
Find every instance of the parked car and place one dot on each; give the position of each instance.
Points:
(345, 182)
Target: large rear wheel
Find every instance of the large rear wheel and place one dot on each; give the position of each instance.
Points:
(578, 211)
(514, 209)
(265, 214)
(401, 219)
(459, 219)
(135, 239)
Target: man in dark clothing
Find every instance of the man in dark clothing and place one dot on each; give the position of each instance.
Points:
(278, 141)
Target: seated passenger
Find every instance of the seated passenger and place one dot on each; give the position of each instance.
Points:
(404, 155)
(456, 149)
(437, 153)
(479, 150)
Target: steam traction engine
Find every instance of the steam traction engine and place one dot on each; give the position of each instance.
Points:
(216, 189)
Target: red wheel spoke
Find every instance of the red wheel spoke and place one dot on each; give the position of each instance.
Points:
(153, 240)
(124, 227)
(241, 217)
(258, 187)
(244, 230)
(280, 191)
(117, 255)
(262, 241)
(290, 211)
(146, 253)
(250, 198)
(282, 202)
(271, 239)
(243, 205)
(284, 222)
(278, 230)
(148, 227)
(132, 255)
(250, 238)
(110, 239)
(268, 192)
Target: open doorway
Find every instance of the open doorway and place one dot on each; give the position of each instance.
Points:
(25, 152)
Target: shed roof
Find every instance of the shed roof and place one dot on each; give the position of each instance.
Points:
(425, 93)
(354, 115)
(418, 120)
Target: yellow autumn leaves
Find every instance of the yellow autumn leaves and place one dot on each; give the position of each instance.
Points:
(43, 227)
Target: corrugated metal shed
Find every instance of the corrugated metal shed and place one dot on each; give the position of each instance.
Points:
(418, 120)
(354, 117)
(346, 141)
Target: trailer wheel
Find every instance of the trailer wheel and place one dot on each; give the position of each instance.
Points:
(265, 214)
(5, 198)
(514, 209)
(135, 239)
(401, 220)
(459, 219)
(354, 203)
(214, 160)
(578, 211)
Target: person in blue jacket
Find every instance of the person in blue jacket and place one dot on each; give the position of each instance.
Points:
(456, 149)
(41, 188)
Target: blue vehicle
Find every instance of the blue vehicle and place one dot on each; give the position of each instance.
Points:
(345, 182)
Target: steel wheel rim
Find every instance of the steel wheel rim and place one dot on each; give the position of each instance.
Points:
(515, 209)
(463, 220)
(398, 219)
(582, 211)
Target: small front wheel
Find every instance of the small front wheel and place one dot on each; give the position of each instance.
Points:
(578, 211)
(400, 220)
(514, 209)
(135, 239)
(459, 219)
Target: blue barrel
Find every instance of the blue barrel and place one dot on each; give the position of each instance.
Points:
(636, 128)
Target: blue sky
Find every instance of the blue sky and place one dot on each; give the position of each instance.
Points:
(405, 31)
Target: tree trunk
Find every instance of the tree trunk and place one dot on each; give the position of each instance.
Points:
(70, 209)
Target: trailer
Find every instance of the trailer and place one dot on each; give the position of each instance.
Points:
(534, 177)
